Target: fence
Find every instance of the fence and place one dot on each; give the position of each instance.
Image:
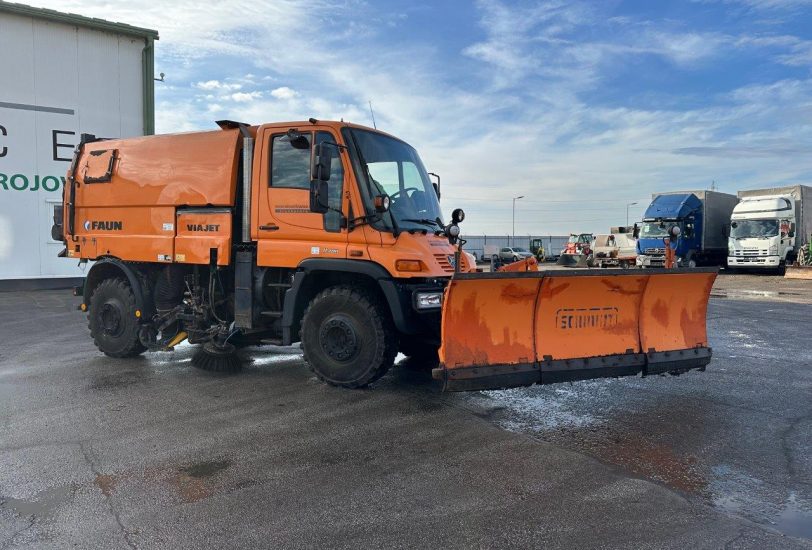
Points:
(553, 244)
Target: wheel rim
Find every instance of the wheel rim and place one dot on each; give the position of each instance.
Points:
(110, 318)
(338, 338)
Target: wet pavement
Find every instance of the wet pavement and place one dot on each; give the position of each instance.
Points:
(151, 453)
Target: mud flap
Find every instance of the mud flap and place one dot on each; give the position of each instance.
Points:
(502, 330)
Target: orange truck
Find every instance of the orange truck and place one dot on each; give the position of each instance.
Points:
(331, 234)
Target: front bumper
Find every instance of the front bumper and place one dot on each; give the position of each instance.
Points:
(753, 261)
(551, 371)
(650, 261)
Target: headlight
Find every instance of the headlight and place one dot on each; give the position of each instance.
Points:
(428, 300)
(773, 249)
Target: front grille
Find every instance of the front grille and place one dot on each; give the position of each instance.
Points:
(649, 251)
(445, 265)
(750, 253)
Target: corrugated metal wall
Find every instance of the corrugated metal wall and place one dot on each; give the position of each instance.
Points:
(59, 81)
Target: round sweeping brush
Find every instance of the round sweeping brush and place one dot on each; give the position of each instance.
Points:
(215, 358)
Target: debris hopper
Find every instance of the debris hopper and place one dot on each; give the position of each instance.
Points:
(501, 330)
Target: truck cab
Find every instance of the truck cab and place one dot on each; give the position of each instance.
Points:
(666, 211)
(703, 222)
(762, 232)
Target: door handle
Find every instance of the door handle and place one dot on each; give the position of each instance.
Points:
(269, 227)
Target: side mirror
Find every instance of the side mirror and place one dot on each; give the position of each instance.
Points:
(791, 230)
(636, 231)
(318, 197)
(321, 162)
(436, 184)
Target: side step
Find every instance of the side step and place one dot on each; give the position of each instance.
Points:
(272, 314)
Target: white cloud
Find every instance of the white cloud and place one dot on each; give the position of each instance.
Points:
(284, 93)
(216, 85)
(245, 97)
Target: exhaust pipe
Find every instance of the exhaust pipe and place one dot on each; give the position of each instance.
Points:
(247, 164)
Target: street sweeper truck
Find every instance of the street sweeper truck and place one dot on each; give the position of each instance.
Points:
(331, 234)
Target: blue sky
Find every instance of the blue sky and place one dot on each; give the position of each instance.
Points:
(582, 107)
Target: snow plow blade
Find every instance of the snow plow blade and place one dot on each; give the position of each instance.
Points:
(501, 330)
(572, 260)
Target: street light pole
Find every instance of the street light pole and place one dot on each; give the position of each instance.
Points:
(513, 239)
(627, 212)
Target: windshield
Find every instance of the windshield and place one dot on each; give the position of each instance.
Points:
(653, 229)
(391, 167)
(743, 229)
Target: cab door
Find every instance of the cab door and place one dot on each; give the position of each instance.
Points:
(287, 232)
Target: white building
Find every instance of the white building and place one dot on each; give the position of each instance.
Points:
(63, 75)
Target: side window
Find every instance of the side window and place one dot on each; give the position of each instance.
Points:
(290, 162)
(335, 187)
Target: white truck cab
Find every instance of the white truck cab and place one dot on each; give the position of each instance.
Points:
(762, 232)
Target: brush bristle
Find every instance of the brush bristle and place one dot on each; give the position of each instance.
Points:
(216, 359)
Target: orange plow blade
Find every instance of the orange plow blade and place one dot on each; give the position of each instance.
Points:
(502, 330)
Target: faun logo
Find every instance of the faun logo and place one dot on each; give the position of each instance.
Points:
(103, 226)
(583, 318)
(202, 227)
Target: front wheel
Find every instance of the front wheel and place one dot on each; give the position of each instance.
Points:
(348, 338)
(112, 321)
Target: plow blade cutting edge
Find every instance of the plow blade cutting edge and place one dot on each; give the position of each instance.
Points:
(501, 330)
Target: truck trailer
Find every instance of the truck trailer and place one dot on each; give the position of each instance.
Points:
(701, 219)
(769, 226)
(331, 234)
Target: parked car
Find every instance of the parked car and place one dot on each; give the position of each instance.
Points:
(514, 254)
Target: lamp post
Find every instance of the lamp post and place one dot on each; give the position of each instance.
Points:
(627, 212)
(513, 238)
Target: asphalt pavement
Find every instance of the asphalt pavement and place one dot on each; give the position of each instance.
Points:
(152, 453)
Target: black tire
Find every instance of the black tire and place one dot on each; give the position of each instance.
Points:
(348, 338)
(112, 321)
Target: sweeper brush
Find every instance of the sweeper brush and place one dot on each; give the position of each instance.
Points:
(215, 358)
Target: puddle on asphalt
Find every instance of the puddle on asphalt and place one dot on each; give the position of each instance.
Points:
(737, 493)
(205, 469)
(44, 505)
(794, 520)
(563, 416)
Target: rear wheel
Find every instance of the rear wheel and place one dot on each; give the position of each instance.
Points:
(348, 338)
(112, 321)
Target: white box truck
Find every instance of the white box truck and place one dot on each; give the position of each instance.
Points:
(769, 226)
